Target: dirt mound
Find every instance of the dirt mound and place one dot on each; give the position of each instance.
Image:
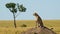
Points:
(39, 31)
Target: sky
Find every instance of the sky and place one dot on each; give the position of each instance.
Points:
(47, 9)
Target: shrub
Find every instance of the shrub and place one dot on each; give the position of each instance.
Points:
(23, 25)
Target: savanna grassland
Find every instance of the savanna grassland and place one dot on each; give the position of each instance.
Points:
(7, 26)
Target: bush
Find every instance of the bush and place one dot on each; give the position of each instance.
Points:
(23, 25)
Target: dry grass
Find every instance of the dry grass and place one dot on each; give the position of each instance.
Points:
(7, 27)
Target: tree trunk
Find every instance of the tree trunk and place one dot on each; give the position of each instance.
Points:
(14, 20)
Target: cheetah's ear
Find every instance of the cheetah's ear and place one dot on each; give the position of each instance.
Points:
(35, 12)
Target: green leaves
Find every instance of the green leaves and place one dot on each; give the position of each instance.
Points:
(10, 5)
(21, 8)
(13, 7)
(14, 11)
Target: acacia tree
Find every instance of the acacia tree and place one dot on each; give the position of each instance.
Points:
(14, 8)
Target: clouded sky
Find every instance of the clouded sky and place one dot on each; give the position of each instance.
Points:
(47, 9)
